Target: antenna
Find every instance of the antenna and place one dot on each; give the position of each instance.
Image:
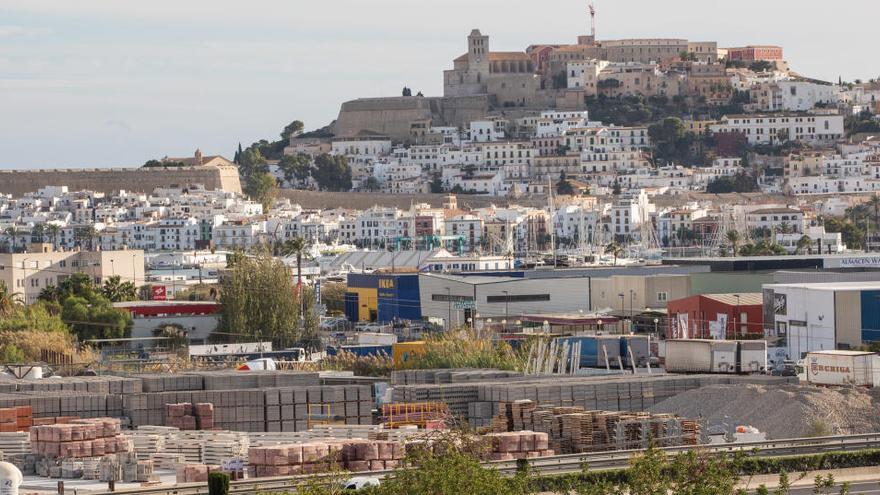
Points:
(592, 20)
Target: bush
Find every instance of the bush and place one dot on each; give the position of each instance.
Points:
(218, 483)
(465, 348)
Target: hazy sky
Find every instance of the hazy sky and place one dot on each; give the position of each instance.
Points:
(116, 82)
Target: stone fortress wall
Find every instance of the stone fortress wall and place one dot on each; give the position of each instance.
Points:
(110, 180)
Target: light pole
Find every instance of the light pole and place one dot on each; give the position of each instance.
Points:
(656, 334)
(599, 324)
(449, 308)
(23, 269)
(735, 317)
(112, 268)
(622, 312)
(506, 303)
(632, 294)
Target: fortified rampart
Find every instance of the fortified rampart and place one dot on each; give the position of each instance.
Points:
(109, 180)
(394, 117)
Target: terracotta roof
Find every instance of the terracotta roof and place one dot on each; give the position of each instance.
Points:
(745, 299)
(776, 210)
(498, 56)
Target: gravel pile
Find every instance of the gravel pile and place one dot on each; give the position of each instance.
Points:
(788, 411)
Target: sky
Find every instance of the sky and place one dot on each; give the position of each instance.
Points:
(100, 83)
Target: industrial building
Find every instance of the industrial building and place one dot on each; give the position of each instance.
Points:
(382, 297)
(716, 316)
(457, 299)
(822, 316)
(197, 318)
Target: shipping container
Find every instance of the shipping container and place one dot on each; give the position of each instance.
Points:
(375, 338)
(595, 350)
(724, 354)
(404, 351)
(843, 368)
(752, 356)
(689, 356)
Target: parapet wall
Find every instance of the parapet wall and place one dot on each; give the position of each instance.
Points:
(110, 180)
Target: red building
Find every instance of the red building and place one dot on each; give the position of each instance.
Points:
(755, 53)
(720, 316)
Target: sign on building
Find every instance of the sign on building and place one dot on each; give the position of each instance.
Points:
(158, 292)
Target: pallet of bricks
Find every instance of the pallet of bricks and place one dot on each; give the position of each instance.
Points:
(355, 455)
(519, 445)
(80, 438)
(14, 419)
(575, 430)
(189, 416)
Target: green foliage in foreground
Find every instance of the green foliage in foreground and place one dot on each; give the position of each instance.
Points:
(459, 471)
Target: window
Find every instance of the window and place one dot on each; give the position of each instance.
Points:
(518, 298)
(662, 296)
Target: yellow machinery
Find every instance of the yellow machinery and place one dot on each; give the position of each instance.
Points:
(320, 414)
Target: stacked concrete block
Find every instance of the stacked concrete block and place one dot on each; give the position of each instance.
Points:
(508, 446)
(456, 375)
(289, 409)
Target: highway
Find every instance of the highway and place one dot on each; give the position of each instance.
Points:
(571, 463)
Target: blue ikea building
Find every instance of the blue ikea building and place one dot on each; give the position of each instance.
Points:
(383, 297)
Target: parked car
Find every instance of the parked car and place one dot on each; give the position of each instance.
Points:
(360, 482)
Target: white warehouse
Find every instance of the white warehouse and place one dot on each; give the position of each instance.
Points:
(456, 299)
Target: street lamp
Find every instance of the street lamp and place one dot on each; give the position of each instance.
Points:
(506, 303)
(622, 311)
(599, 324)
(632, 293)
(449, 310)
(656, 334)
(112, 268)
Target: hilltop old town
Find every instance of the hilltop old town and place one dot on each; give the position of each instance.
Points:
(653, 245)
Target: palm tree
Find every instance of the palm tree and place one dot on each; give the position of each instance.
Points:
(12, 232)
(52, 231)
(615, 249)
(8, 300)
(805, 243)
(116, 290)
(87, 234)
(733, 238)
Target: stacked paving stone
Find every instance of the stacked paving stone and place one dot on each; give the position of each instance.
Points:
(456, 375)
(321, 456)
(477, 402)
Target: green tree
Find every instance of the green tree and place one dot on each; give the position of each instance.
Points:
(10, 353)
(615, 188)
(85, 236)
(332, 172)
(436, 184)
(648, 474)
(260, 300)
(115, 290)
(371, 184)
(296, 167)
(218, 483)
(95, 318)
(805, 244)
(564, 187)
(263, 188)
(292, 128)
(451, 471)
